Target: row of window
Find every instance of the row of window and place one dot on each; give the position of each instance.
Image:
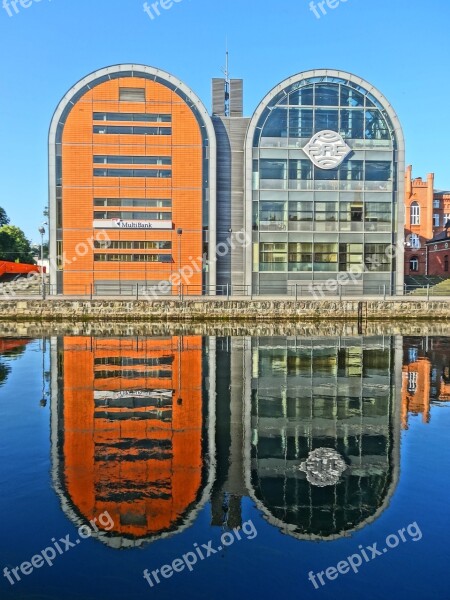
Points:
(326, 94)
(306, 256)
(133, 160)
(133, 245)
(301, 169)
(134, 216)
(323, 211)
(125, 130)
(128, 361)
(158, 258)
(143, 117)
(305, 122)
(150, 173)
(133, 202)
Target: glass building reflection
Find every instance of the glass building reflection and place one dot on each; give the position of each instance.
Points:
(151, 429)
(130, 432)
(337, 394)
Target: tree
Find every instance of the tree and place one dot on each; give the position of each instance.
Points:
(4, 220)
(14, 246)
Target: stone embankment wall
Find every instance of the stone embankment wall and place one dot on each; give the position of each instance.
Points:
(222, 310)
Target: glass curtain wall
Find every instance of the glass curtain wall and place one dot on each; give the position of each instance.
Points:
(311, 223)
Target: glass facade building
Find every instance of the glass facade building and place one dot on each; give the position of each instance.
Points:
(324, 176)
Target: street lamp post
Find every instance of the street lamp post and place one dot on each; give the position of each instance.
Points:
(42, 232)
(179, 233)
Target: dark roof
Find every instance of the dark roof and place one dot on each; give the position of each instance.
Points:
(439, 237)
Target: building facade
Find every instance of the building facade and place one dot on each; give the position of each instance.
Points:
(324, 184)
(427, 214)
(132, 184)
(315, 180)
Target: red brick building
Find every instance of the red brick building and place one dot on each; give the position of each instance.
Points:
(427, 211)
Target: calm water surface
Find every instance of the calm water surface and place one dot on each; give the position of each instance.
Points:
(249, 466)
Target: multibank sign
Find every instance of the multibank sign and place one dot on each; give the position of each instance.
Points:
(120, 224)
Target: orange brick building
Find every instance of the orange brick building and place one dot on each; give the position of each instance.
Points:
(427, 212)
(130, 431)
(132, 161)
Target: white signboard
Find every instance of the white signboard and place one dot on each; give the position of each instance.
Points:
(120, 224)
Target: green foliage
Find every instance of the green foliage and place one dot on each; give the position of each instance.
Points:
(14, 246)
(4, 219)
(4, 372)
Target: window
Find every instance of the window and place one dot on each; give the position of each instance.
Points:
(300, 256)
(273, 256)
(413, 355)
(132, 94)
(133, 160)
(129, 130)
(436, 220)
(130, 216)
(414, 241)
(436, 204)
(132, 245)
(380, 212)
(143, 117)
(350, 255)
(133, 202)
(272, 211)
(414, 214)
(273, 169)
(325, 257)
(377, 257)
(300, 211)
(412, 381)
(161, 258)
(414, 264)
(155, 173)
(378, 170)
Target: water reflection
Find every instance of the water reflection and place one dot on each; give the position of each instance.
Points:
(151, 428)
(130, 426)
(426, 376)
(314, 394)
(11, 348)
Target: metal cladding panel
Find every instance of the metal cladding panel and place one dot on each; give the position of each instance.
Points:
(230, 133)
(236, 97)
(218, 97)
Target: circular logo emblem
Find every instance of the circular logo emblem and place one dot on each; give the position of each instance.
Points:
(327, 149)
(324, 466)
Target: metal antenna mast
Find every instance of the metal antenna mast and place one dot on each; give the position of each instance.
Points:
(226, 72)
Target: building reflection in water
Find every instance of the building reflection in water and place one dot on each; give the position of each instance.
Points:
(329, 406)
(131, 432)
(148, 429)
(426, 376)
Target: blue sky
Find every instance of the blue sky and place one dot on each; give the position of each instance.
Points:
(401, 46)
